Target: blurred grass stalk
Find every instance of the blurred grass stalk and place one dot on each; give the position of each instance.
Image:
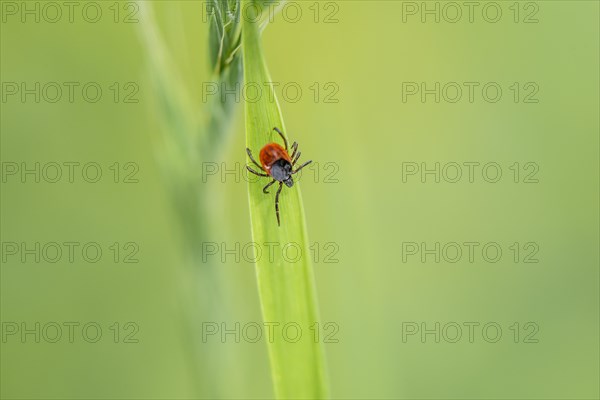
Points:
(188, 139)
(287, 290)
(191, 135)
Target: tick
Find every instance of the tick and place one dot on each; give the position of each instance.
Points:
(277, 163)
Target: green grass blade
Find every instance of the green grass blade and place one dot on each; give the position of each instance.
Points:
(287, 290)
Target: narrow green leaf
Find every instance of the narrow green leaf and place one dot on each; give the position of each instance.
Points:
(286, 289)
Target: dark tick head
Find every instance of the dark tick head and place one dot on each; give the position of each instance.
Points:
(281, 171)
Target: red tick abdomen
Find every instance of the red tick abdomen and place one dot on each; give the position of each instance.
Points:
(271, 153)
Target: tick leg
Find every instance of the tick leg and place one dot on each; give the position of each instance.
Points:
(295, 159)
(254, 172)
(283, 137)
(294, 148)
(302, 166)
(265, 189)
(277, 203)
(252, 158)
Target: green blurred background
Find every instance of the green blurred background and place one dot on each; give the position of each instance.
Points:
(368, 213)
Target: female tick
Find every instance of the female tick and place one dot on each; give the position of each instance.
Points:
(276, 163)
